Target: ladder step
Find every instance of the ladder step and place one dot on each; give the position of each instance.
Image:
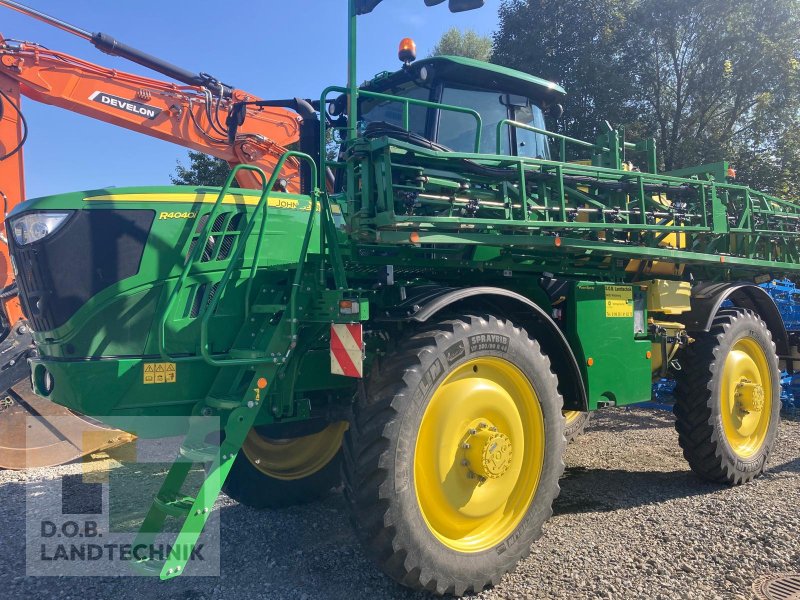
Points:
(223, 403)
(148, 566)
(244, 353)
(268, 309)
(177, 507)
(200, 454)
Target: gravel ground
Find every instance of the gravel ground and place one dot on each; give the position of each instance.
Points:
(631, 522)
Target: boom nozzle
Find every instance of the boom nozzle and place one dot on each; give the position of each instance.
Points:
(110, 45)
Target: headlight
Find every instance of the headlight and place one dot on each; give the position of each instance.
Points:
(34, 226)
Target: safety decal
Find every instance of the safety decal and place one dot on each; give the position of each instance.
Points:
(161, 372)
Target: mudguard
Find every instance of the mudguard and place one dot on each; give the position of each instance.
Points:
(423, 302)
(707, 298)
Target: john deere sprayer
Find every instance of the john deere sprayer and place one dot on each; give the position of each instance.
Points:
(454, 283)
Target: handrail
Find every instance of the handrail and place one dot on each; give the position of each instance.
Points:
(195, 255)
(562, 138)
(235, 257)
(407, 102)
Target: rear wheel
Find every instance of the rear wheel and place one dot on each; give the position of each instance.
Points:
(276, 473)
(452, 464)
(728, 398)
(576, 421)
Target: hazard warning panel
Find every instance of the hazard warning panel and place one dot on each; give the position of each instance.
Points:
(163, 372)
(347, 350)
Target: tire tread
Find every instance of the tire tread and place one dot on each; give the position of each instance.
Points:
(376, 418)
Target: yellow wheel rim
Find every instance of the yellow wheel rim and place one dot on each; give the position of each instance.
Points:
(571, 416)
(294, 458)
(479, 454)
(746, 397)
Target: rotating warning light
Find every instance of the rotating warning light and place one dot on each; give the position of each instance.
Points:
(407, 52)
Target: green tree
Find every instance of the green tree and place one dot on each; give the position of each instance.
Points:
(575, 43)
(719, 80)
(202, 170)
(468, 43)
(709, 79)
(769, 159)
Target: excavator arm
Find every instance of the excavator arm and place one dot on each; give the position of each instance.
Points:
(16, 341)
(190, 116)
(12, 182)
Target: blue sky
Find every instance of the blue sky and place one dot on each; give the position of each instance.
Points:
(271, 48)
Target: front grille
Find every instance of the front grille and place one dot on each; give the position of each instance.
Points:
(201, 299)
(93, 250)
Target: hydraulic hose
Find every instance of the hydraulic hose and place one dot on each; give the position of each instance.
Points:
(22, 120)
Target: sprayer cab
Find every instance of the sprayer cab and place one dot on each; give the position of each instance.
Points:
(498, 94)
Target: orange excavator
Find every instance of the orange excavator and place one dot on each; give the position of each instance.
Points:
(197, 112)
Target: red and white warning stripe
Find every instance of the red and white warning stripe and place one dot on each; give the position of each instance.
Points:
(347, 347)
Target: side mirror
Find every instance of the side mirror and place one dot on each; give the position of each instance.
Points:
(337, 106)
(458, 5)
(556, 111)
(367, 6)
(464, 5)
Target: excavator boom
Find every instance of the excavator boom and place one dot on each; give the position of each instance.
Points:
(16, 343)
(12, 181)
(189, 116)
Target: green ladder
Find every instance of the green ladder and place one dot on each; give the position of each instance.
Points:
(171, 500)
(241, 387)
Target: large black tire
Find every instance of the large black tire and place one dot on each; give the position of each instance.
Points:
(381, 447)
(705, 399)
(575, 423)
(253, 485)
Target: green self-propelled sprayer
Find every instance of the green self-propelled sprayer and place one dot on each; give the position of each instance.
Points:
(447, 292)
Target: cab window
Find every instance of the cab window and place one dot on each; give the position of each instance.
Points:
(389, 111)
(457, 130)
(530, 143)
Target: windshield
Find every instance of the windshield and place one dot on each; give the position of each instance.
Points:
(457, 130)
(388, 111)
(529, 143)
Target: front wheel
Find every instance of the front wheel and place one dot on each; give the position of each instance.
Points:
(276, 472)
(727, 395)
(452, 464)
